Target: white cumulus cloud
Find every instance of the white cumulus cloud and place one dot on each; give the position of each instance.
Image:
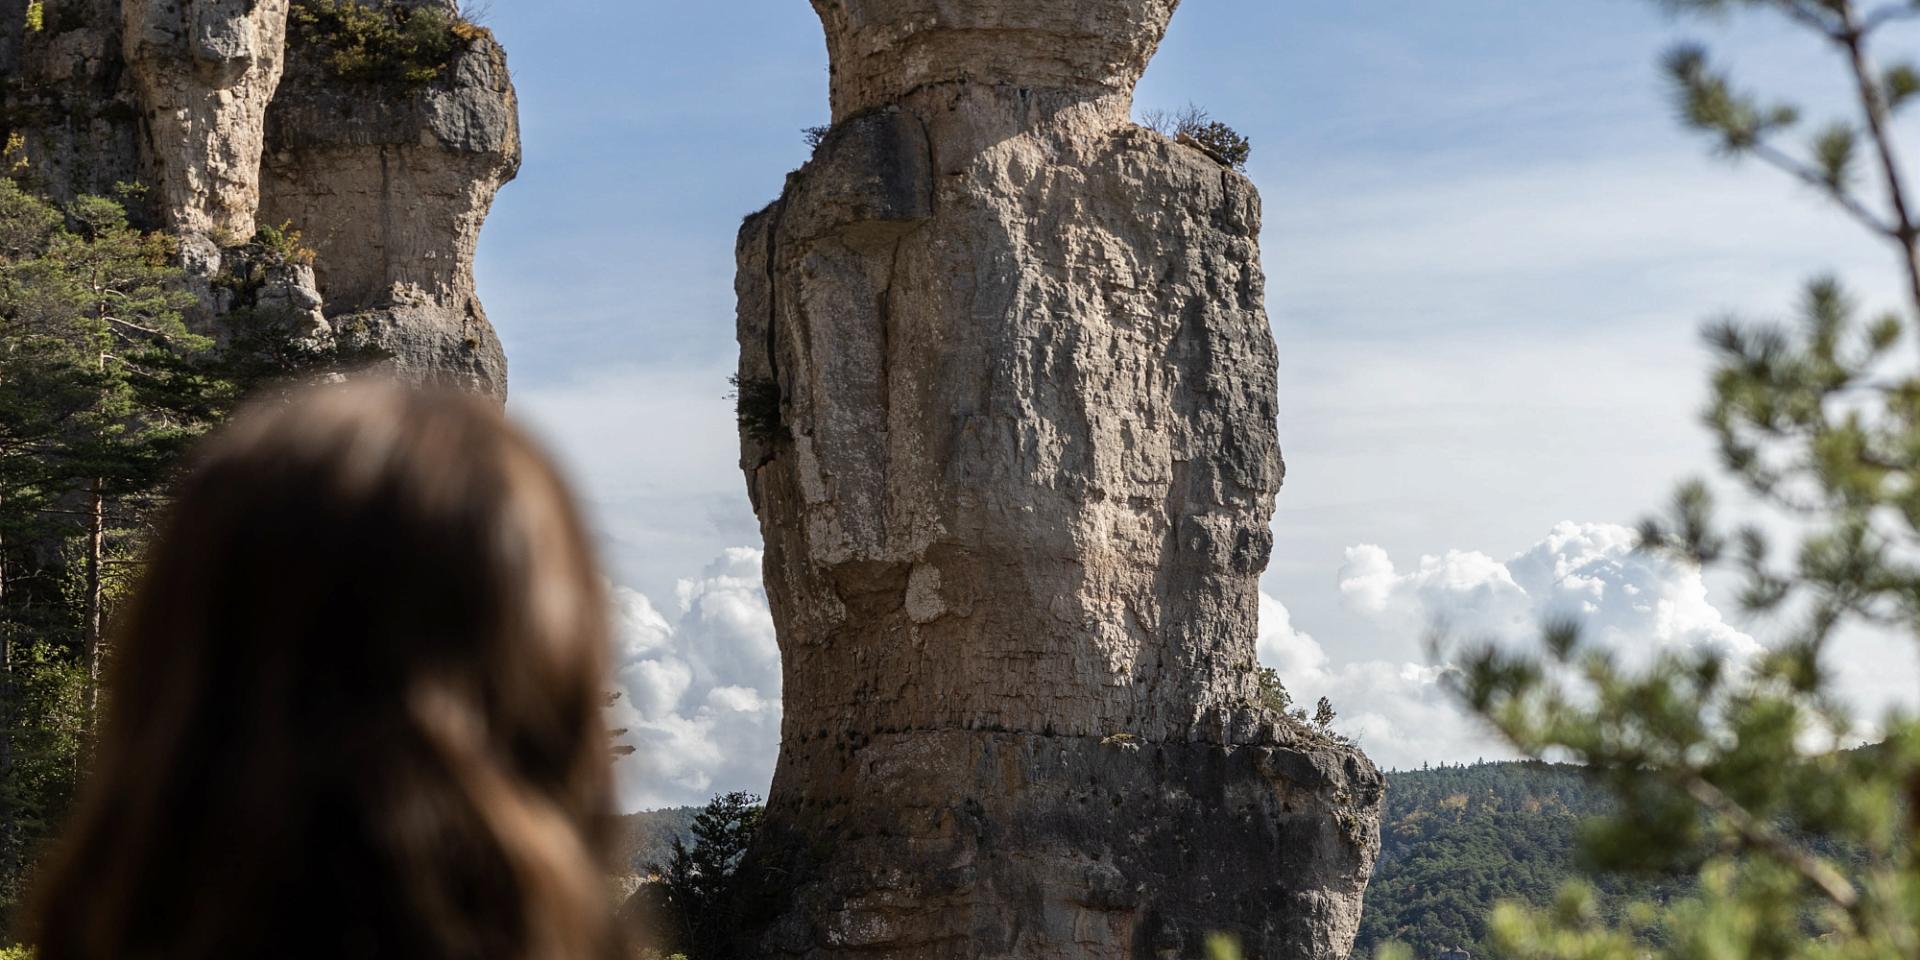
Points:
(700, 695)
(1399, 712)
(1634, 602)
(1631, 602)
(700, 679)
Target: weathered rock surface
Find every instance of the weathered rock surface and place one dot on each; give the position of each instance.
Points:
(391, 186)
(64, 91)
(231, 127)
(1009, 425)
(883, 50)
(206, 71)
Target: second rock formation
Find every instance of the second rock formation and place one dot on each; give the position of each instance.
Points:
(1008, 412)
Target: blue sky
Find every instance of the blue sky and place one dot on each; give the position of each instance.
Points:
(1488, 250)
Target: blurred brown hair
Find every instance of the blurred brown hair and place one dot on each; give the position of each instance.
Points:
(355, 708)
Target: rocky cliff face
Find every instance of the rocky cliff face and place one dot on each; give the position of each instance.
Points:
(206, 74)
(392, 191)
(233, 121)
(1008, 413)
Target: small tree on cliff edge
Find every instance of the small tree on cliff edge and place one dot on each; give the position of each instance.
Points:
(1196, 125)
(1736, 772)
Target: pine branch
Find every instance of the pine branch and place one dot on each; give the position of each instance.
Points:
(128, 366)
(1873, 101)
(1811, 16)
(1763, 837)
(161, 335)
(1781, 160)
(1888, 14)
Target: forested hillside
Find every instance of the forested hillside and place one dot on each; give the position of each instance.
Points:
(1456, 840)
(649, 836)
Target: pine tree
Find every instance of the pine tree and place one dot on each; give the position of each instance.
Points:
(102, 388)
(89, 307)
(697, 880)
(1739, 774)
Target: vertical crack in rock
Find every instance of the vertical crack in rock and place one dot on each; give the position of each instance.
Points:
(1016, 498)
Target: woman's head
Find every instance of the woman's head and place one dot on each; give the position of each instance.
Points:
(355, 705)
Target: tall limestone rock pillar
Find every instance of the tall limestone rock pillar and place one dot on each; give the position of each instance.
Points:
(1008, 420)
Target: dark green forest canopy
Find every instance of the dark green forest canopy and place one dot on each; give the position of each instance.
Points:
(1455, 840)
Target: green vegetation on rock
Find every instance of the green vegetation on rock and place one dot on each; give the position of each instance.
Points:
(380, 41)
(756, 407)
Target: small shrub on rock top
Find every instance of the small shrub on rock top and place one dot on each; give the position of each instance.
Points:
(375, 41)
(1274, 697)
(283, 244)
(1196, 127)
